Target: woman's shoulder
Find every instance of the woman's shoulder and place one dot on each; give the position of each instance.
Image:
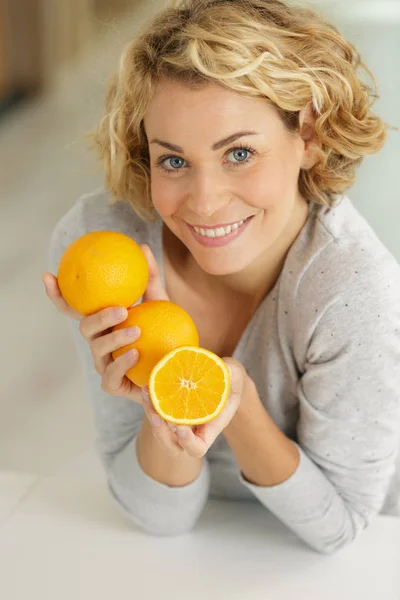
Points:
(340, 289)
(339, 250)
(95, 211)
(340, 266)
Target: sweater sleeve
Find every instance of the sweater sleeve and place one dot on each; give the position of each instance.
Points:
(348, 432)
(153, 506)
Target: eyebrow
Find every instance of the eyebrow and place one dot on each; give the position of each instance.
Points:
(217, 146)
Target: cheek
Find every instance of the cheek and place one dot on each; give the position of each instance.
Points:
(268, 186)
(282, 181)
(165, 196)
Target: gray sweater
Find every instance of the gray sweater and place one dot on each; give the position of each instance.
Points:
(323, 349)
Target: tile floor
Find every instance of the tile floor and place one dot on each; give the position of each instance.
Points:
(45, 421)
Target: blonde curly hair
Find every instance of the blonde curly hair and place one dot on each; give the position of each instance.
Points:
(260, 48)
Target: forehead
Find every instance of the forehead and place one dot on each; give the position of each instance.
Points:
(175, 104)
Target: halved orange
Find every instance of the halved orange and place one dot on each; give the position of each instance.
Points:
(189, 386)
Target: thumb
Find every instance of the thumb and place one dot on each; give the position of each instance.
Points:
(238, 381)
(238, 377)
(155, 288)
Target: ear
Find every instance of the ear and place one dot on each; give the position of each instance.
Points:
(307, 133)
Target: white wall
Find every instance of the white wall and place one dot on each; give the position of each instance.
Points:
(374, 27)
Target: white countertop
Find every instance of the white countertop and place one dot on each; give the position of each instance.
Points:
(63, 539)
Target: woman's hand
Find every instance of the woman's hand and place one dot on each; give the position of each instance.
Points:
(96, 329)
(197, 440)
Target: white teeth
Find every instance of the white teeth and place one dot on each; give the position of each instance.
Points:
(219, 231)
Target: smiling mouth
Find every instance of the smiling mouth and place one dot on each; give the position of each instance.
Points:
(219, 230)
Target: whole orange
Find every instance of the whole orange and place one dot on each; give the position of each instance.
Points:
(102, 269)
(164, 326)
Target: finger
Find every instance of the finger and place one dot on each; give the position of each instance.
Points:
(197, 443)
(211, 430)
(94, 325)
(115, 381)
(155, 289)
(160, 429)
(194, 444)
(166, 437)
(103, 345)
(54, 293)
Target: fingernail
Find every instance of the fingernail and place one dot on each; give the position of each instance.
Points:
(182, 432)
(145, 394)
(156, 420)
(132, 331)
(120, 313)
(131, 354)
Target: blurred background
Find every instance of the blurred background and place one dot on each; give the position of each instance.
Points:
(56, 57)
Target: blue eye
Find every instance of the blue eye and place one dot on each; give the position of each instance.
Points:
(175, 162)
(239, 154)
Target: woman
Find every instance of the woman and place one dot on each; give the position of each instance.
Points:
(232, 131)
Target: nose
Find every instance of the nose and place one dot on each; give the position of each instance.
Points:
(207, 195)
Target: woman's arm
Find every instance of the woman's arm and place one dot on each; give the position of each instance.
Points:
(158, 497)
(265, 455)
(162, 498)
(284, 479)
(328, 496)
(329, 484)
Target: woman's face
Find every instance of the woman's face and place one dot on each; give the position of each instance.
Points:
(224, 173)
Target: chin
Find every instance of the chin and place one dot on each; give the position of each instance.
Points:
(222, 266)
